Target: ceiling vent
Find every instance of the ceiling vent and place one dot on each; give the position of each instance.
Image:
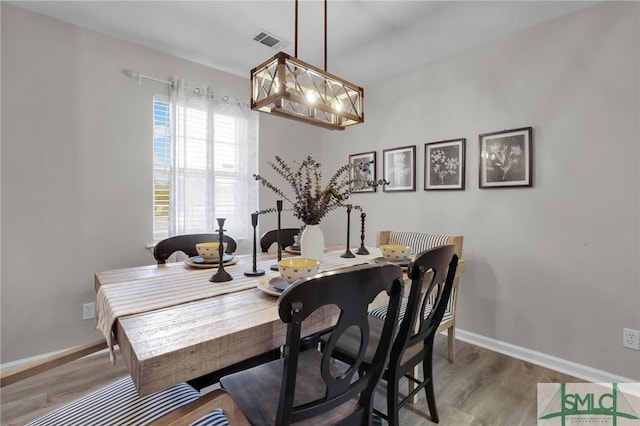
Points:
(270, 40)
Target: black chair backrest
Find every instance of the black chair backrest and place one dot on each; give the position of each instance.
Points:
(187, 244)
(351, 290)
(286, 238)
(431, 273)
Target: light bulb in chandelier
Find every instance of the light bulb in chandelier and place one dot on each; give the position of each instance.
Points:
(311, 96)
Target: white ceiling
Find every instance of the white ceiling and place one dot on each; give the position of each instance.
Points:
(368, 41)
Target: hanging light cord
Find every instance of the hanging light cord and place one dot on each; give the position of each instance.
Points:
(295, 41)
(325, 35)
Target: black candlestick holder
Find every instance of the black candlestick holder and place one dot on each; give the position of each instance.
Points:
(347, 254)
(279, 209)
(362, 249)
(254, 272)
(221, 275)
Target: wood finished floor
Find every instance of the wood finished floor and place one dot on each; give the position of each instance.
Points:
(480, 388)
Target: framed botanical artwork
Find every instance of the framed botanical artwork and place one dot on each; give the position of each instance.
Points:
(444, 165)
(399, 169)
(363, 171)
(506, 159)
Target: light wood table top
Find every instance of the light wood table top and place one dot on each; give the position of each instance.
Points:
(170, 345)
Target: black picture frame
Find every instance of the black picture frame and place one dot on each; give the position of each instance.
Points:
(359, 175)
(399, 169)
(506, 158)
(444, 165)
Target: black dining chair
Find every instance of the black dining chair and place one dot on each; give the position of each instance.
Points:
(286, 238)
(187, 244)
(432, 274)
(310, 385)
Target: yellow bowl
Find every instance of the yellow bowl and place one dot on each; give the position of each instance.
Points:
(297, 267)
(209, 251)
(395, 252)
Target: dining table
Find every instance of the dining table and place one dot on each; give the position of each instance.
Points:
(172, 324)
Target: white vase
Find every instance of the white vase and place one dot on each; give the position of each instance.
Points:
(312, 243)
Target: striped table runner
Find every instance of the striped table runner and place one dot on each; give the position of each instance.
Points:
(133, 297)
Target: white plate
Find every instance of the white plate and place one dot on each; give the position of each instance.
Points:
(263, 285)
(291, 250)
(198, 259)
(190, 262)
(403, 264)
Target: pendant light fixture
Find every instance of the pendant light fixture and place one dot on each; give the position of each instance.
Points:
(286, 86)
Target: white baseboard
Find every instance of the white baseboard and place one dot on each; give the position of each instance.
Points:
(8, 366)
(11, 365)
(558, 364)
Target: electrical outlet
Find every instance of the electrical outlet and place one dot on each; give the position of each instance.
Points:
(88, 311)
(631, 339)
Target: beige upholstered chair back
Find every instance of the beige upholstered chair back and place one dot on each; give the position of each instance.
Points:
(419, 241)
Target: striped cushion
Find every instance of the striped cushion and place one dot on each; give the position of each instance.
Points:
(381, 312)
(418, 242)
(118, 404)
(214, 418)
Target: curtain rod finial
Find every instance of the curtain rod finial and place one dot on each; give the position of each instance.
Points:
(131, 73)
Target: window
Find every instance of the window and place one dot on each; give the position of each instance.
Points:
(202, 169)
(161, 164)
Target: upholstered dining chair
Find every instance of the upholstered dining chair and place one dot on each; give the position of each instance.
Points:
(432, 274)
(187, 244)
(118, 402)
(286, 238)
(309, 385)
(420, 241)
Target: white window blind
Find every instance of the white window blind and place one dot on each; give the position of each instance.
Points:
(204, 169)
(161, 164)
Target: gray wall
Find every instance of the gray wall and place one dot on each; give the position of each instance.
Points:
(553, 268)
(76, 169)
(292, 141)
